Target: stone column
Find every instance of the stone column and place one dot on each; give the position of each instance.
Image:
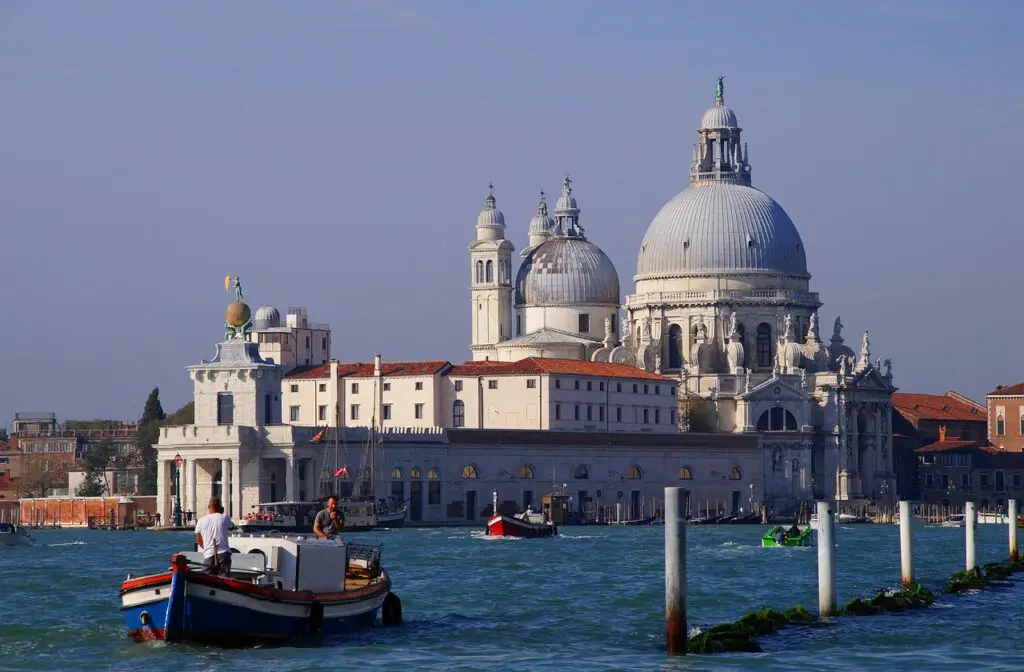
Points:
(225, 486)
(878, 465)
(193, 500)
(289, 478)
(236, 480)
(162, 490)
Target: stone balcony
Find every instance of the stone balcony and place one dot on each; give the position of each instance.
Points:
(780, 296)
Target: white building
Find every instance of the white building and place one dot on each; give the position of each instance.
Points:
(721, 334)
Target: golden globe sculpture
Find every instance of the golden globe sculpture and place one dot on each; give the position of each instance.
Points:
(238, 315)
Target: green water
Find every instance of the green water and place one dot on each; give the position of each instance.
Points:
(591, 599)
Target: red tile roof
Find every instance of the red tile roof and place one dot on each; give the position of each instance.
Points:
(569, 367)
(947, 446)
(365, 370)
(949, 406)
(1007, 390)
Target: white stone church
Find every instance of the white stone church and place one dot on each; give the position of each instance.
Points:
(714, 376)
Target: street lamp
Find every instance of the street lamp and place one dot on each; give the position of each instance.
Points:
(750, 500)
(177, 489)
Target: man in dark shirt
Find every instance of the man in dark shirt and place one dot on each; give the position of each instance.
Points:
(329, 521)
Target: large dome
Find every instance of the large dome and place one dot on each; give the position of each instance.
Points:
(721, 227)
(567, 270)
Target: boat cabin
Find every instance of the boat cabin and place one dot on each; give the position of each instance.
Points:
(298, 562)
(556, 507)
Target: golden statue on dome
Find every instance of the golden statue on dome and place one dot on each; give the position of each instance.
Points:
(238, 315)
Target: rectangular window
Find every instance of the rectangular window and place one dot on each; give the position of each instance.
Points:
(657, 389)
(321, 413)
(965, 480)
(322, 387)
(386, 387)
(1000, 426)
(459, 414)
(307, 342)
(945, 481)
(1022, 425)
(385, 411)
(433, 493)
(634, 388)
(577, 412)
(355, 388)
(558, 384)
(1016, 480)
(353, 412)
(600, 413)
(672, 416)
(618, 414)
(419, 386)
(577, 384)
(618, 387)
(983, 479)
(600, 387)
(584, 323)
(590, 386)
(293, 413)
(646, 416)
(558, 411)
(458, 386)
(294, 388)
(672, 391)
(419, 411)
(928, 481)
(492, 384)
(519, 325)
(225, 408)
(646, 389)
(531, 383)
(527, 498)
(590, 412)
(323, 343)
(657, 416)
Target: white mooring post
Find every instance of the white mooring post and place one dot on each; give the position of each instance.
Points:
(1012, 515)
(675, 571)
(970, 521)
(906, 545)
(826, 561)
(618, 512)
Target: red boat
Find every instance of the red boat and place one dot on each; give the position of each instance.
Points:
(528, 524)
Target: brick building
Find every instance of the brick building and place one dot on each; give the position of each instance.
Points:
(1006, 417)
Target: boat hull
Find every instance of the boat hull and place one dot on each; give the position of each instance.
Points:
(507, 526)
(201, 608)
(802, 539)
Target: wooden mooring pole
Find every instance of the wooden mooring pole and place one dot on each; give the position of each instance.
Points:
(826, 560)
(1012, 515)
(675, 571)
(970, 521)
(906, 545)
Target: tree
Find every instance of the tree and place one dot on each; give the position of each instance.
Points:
(91, 486)
(186, 415)
(3, 435)
(147, 437)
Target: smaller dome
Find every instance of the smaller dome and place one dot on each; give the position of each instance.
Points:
(490, 217)
(567, 271)
(267, 317)
(541, 224)
(237, 314)
(718, 116)
(566, 203)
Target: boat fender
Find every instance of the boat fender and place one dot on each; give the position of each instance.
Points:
(316, 617)
(391, 610)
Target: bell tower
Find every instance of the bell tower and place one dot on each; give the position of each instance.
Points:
(490, 267)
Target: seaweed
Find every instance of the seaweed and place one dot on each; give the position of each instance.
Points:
(739, 635)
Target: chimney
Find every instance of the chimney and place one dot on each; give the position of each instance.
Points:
(376, 365)
(942, 432)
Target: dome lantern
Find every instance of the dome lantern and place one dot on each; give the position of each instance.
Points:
(490, 223)
(719, 156)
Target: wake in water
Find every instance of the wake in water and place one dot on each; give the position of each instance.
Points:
(78, 542)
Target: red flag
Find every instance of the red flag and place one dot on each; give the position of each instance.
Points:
(342, 471)
(319, 436)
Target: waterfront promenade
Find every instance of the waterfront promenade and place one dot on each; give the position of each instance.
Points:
(591, 599)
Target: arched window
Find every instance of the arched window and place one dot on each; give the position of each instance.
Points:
(433, 474)
(634, 473)
(490, 271)
(675, 347)
(469, 471)
(526, 471)
(776, 419)
(458, 413)
(433, 487)
(685, 474)
(581, 473)
(736, 474)
(364, 481)
(415, 474)
(764, 345)
(479, 271)
(1000, 426)
(1000, 481)
(396, 474)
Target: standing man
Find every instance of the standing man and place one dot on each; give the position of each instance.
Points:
(330, 521)
(212, 537)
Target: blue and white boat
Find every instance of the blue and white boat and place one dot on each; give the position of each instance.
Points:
(280, 587)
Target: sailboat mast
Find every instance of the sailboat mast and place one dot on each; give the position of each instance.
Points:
(373, 426)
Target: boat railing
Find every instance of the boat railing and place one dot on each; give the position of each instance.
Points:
(365, 555)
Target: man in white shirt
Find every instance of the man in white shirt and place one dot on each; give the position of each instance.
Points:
(212, 537)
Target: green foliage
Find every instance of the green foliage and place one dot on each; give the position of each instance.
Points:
(739, 636)
(914, 596)
(153, 411)
(93, 424)
(186, 415)
(91, 486)
(153, 418)
(3, 435)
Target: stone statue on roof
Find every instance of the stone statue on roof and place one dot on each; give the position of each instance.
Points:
(720, 91)
(238, 288)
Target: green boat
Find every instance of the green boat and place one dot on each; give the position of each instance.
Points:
(780, 536)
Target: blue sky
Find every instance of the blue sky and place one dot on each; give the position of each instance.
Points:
(335, 155)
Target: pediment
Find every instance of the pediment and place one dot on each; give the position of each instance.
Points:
(870, 379)
(781, 388)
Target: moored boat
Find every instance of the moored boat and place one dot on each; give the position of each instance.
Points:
(527, 525)
(15, 535)
(297, 517)
(779, 536)
(278, 588)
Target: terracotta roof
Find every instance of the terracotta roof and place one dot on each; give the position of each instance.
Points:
(949, 406)
(1007, 390)
(365, 370)
(569, 367)
(947, 446)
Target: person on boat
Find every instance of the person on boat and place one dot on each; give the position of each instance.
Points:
(212, 537)
(329, 521)
(794, 531)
